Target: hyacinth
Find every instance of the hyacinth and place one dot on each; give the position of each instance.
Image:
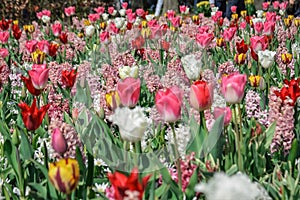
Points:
(77, 43)
(182, 139)
(56, 71)
(283, 67)
(283, 114)
(4, 73)
(122, 59)
(226, 68)
(58, 105)
(71, 137)
(152, 80)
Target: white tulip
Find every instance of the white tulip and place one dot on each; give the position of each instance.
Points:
(45, 19)
(259, 13)
(296, 50)
(266, 58)
(122, 12)
(149, 17)
(127, 71)
(132, 123)
(89, 30)
(119, 22)
(191, 66)
(105, 16)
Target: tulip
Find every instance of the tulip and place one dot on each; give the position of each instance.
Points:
(38, 57)
(53, 47)
(258, 43)
(3, 52)
(94, 17)
(176, 21)
(269, 28)
(233, 86)
(132, 123)
(43, 13)
(31, 45)
(287, 22)
(64, 174)
(128, 187)
(168, 103)
(297, 22)
(266, 58)
(192, 66)
(4, 24)
(29, 86)
(4, 36)
(254, 80)
(265, 5)
(240, 58)
(58, 141)
(69, 11)
(220, 42)
(286, 58)
(17, 33)
(89, 30)
(218, 111)
(129, 91)
(43, 45)
(111, 10)
(201, 95)
(271, 16)
(244, 13)
(291, 90)
(100, 10)
(233, 9)
(63, 38)
(113, 100)
(105, 16)
(276, 5)
(29, 28)
(32, 116)
(127, 71)
(68, 78)
(258, 27)
(140, 12)
(204, 39)
(119, 22)
(56, 29)
(113, 28)
(124, 5)
(39, 76)
(241, 47)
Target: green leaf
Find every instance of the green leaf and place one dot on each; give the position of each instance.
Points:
(190, 190)
(293, 152)
(90, 174)
(25, 146)
(270, 134)
(10, 152)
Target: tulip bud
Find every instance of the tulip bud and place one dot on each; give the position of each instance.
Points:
(262, 83)
(64, 175)
(240, 58)
(243, 13)
(59, 143)
(113, 100)
(297, 22)
(15, 138)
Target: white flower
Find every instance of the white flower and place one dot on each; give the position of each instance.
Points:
(296, 50)
(138, 21)
(45, 19)
(259, 13)
(100, 188)
(99, 162)
(132, 195)
(238, 186)
(266, 58)
(122, 12)
(255, 20)
(191, 66)
(105, 16)
(127, 71)
(149, 17)
(89, 30)
(281, 12)
(119, 22)
(132, 123)
(114, 13)
(187, 10)
(17, 191)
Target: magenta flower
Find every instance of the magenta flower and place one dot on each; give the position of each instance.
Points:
(39, 76)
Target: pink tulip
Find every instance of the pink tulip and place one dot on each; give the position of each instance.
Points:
(201, 95)
(4, 36)
(276, 5)
(58, 141)
(203, 29)
(124, 5)
(140, 12)
(43, 13)
(111, 10)
(258, 43)
(129, 91)
(131, 17)
(233, 9)
(182, 9)
(217, 16)
(129, 11)
(271, 16)
(104, 37)
(170, 14)
(39, 76)
(168, 103)
(176, 21)
(113, 28)
(100, 10)
(269, 28)
(152, 22)
(43, 45)
(3, 52)
(265, 5)
(243, 25)
(204, 39)
(69, 11)
(233, 87)
(31, 45)
(283, 5)
(229, 34)
(218, 111)
(258, 27)
(56, 29)
(94, 17)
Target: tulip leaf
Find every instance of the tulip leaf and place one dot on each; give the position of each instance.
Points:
(197, 138)
(10, 152)
(90, 173)
(83, 95)
(25, 147)
(270, 134)
(190, 190)
(293, 152)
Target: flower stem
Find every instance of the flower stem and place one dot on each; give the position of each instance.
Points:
(202, 121)
(237, 141)
(177, 157)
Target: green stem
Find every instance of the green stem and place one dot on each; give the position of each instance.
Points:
(237, 141)
(202, 121)
(177, 157)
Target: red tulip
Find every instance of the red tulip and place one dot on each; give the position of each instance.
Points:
(201, 95)
(39, 76)
(68, 78)
(53, 47)
(17, 34)
(241, 47)
(58, 141)
(29, 86)
(233, 87)
(129, 91)
(63, 38)
(291, 90)
(168, 103)
(125, 187)
(32, 116)
(4, 24)
(218, 111)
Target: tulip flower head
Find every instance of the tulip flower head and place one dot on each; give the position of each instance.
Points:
(29, 86)
(68, 78)
(218, 111)
(128, 186)
(58, 141)
(286, 58)
(168, 103)
(201, 95)
(266, 58)
(39, 76)
(233, 87)
(32, 116)
(113, 100)
(254, 80)
(64, 175)
(129, 91)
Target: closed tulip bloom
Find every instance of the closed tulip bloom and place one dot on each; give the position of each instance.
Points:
(29, 86)
(32, 116)
(218, 111)
(126, 71)
(113, 100)
(254, 80)
(191, 66)
(229, 33)
(286, 58)
(58, 141)
(4, 36)
(168, 103)
(64, 174)
(129, 91)
(201, 95)
(266, 58)
(3, 52)
(240, 58)
(56, 29)
(233, 87)
(204, 39)
(39, 76)
(38, 57)
(69, 11)
(258, 43)
(68, 78)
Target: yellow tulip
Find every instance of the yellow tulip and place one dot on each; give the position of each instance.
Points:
(38, 57)
(29, 28)
(297, 22)
(113, 100)
(64, 175)
(234, 16)
(254, 80)
(286, 58)
(244, 13)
